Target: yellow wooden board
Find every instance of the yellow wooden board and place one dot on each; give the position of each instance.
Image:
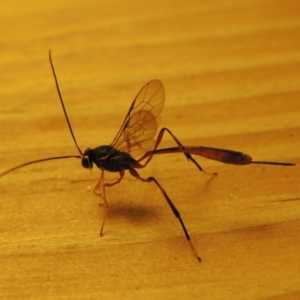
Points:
(231, 71)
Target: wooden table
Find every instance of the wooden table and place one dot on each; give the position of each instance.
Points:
(231, 71)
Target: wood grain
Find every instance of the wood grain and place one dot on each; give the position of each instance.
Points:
(231, 71)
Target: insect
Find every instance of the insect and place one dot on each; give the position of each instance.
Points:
(134, 146)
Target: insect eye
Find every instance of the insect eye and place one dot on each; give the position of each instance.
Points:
(86, 162)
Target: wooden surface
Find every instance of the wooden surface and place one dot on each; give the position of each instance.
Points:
(231, 70)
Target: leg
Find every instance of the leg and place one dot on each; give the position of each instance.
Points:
(150, 153)
(134, 173)
(99, 190)
(102, 185)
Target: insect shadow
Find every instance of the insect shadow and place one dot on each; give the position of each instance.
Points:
(134, 146)
(132, 212)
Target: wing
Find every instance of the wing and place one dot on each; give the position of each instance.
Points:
(136, 135)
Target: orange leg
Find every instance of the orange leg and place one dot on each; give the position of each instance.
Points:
(149, 154)
(101, 186)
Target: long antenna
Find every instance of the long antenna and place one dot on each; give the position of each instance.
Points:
(36, 161)
(62, 103)
(55, 157)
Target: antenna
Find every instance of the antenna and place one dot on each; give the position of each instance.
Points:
(54, 157)
(62, 103)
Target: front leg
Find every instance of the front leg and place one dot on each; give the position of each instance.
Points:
(101, 186)
(99, 189)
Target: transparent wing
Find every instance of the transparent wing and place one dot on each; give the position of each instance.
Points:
(136, 135)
